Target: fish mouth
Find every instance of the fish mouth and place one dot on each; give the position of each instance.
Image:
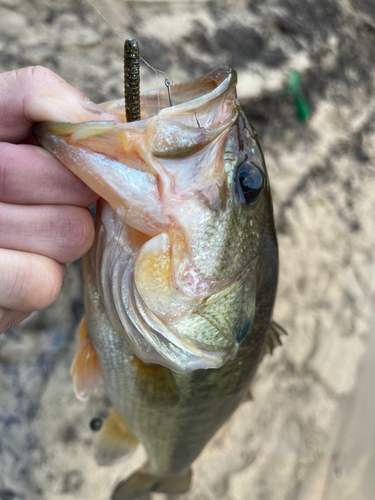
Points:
(152, 173)
(139, 166)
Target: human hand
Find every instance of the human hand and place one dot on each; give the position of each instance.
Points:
(43, 220)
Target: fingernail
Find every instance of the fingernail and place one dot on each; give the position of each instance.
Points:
(92, 107)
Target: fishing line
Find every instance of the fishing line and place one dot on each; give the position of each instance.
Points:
(106, 20)
(155, 70)
(157, 73)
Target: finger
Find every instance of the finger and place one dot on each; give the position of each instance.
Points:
(31, 175)
(29, 282)
(36, 94)
(61, 232)
(10, 318)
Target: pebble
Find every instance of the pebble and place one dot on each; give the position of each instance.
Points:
(12, 23)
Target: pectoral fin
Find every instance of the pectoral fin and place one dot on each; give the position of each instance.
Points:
(85, 367)
(115, 441)
(155, 384)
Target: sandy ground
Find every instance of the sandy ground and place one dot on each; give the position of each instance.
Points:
(309, 433)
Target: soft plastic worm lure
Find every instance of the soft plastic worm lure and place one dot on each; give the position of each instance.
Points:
(294, 91)
(132, 81)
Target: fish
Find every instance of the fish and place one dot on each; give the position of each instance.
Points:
(181, 280)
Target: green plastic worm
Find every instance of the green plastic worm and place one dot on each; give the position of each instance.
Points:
(132, 81)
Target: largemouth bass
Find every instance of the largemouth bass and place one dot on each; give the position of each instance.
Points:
(181, 280)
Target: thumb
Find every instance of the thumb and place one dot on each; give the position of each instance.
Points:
(36, 94)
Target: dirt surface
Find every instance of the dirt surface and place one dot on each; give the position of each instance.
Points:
(303, 438)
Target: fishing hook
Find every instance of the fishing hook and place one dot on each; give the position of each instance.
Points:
(168, 85)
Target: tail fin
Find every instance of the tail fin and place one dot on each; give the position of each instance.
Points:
(142, 482)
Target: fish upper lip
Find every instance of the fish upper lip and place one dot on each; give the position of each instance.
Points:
(207, 88)
(205, 99)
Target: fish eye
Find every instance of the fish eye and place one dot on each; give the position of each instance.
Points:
(96, 424)
(249, 182)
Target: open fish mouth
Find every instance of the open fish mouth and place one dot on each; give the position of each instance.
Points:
(140, 167)
(164, 180)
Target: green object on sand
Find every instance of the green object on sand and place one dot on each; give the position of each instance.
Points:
(295, 92)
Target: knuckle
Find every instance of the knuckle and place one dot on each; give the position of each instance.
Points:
(21, 279)
(30, 281)
(77, 230)
(3, 179)
(38, 71)
(52, 283)
(41, 283)
(24, 75)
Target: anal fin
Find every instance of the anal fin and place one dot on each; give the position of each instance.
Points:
(173, 485)
(142, 482)
(248, 396)
(115, 440)
(134, 486)
(273, 339)
(85, 369)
